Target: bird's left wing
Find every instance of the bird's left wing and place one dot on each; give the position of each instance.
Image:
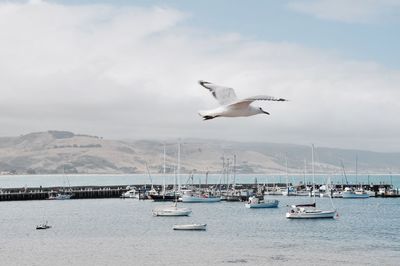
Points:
(263, 98)
(224, 95)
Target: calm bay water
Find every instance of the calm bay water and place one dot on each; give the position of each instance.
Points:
(105, 180)
(117, 232)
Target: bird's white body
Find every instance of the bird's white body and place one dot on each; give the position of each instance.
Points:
(231, 111)
(230, 105)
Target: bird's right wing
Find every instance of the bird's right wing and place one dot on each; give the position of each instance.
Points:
(246, 102)
(223, 95)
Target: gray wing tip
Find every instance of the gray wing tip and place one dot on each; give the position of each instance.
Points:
(202, 82)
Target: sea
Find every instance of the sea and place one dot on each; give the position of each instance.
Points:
(124, 232)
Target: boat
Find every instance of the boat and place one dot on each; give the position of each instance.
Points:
(60, 195)
(131, 193)
(164, 196)
(309, 211)
(43, 226)
(199, 198)
(273, 191)
(173, 210)
(195, 227)
(255, 202)
(349, 193)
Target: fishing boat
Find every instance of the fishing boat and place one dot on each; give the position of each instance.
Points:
(173, 210)
(43, 226)
(194, 227)
(309, 211)
(255, 202)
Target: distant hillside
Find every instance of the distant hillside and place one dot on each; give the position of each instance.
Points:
(63, 151)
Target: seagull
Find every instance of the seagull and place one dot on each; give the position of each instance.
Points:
(230, 105)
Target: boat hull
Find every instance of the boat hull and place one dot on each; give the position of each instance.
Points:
(192, 199)
(311, 215)
(346, 195)
(269, 204)
(163, 197)
(183, 212)
(190, 227)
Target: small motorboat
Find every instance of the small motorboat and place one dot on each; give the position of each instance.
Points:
(190, 227)
(254, 202)
(43, 226)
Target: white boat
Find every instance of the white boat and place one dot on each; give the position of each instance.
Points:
(199, 198)
(337, 194)
(273, 191)
(370, 193)
(254, 202)
(195, 227)
(309, 211)
(132, 194)
(348, 193)
(173, 210)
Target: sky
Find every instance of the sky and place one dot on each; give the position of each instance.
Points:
(129, 69)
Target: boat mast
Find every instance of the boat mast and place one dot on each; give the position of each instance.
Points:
(356, 168)
(179, 166)
(234, 170)
(287, 176)
(227, 176)
(313, 170)
(164, 172)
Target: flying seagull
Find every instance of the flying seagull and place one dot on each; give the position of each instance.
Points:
(231, 106)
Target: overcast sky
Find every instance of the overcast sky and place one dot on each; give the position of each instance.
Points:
(129, 69)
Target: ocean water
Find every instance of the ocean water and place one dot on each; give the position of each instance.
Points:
(14, 181)
(124, 232)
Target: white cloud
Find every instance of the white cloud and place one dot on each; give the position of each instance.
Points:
(354, 11)
(132, 73)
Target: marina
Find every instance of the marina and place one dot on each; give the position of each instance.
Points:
(139, 191)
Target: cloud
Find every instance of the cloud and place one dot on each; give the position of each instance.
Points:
(127, 72)
(355, 11)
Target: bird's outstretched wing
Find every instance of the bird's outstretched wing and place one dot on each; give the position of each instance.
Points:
(242, 103)
(223, 95)
(263, 98)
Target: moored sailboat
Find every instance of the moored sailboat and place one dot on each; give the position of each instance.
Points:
(308, 211)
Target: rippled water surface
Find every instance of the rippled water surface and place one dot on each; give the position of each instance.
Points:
(123, 232)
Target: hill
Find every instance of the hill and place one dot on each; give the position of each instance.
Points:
(62, 151)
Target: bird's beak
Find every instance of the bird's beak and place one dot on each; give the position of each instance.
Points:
(265, 112)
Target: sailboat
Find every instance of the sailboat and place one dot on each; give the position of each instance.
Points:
(173, 210)
(61, 194)
(164, 195)
(309, 211)
(358, 193)
(43, 226)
